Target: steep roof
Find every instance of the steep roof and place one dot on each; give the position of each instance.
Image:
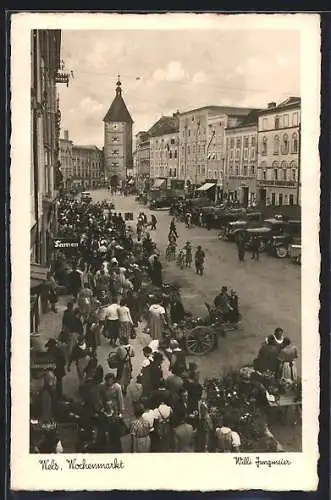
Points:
(290, 102)
(118, 112)
(248, 120)
(165, 125)
(87, 146)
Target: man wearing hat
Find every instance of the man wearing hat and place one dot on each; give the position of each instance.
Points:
(57, 354)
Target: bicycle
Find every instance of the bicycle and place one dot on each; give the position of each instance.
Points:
(181, 260)
(171, 252)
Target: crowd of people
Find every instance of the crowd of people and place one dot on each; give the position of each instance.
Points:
(106, 278)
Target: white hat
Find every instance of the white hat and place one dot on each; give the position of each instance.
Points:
(114, 260)
(163, 411)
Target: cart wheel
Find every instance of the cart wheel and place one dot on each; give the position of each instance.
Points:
(200, 341)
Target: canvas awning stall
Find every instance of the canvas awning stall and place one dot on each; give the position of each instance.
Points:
(38, 275)
(206, 186)
(158, 183)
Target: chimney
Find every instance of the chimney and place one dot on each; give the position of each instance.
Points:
(271, 105)
(66, 135)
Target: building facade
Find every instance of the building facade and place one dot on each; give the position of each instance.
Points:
(278, 172)
(202, 154)
(241, 163)
(45, 129)
(163, 146)
(117, 140)
(66, 146)
(142, 158)
(81, 166)
(45, 179)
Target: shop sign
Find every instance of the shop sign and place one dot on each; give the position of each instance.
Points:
(65, 243)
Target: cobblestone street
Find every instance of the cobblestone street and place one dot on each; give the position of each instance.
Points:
(269, 294)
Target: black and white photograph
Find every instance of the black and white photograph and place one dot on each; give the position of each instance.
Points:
(172, 210)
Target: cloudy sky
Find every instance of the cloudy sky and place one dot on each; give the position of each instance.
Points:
(165, 71)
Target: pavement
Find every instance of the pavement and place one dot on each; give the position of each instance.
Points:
(269, 296)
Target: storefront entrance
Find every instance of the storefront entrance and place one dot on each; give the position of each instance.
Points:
(244, 196)
(262, 197)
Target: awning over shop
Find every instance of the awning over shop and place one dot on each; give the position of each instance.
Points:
(158, 183)
(38, 275)
(206, 186)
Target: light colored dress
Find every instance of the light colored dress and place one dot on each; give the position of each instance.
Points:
(156, 315)
(125, 321)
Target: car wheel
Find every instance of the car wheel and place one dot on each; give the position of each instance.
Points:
(281, 252)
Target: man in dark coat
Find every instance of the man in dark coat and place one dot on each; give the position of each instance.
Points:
(156, 272)
(58, 355)
(75, 281)
(199, 259)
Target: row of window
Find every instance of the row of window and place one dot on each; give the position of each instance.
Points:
(86, 162)
(236, 154)
(280, 121)
(162, 141)
(237, 141)
(277, 174)
(162, 172)
(246, 170)
(281, 145)
(196, 132)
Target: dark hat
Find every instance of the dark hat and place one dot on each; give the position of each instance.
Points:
(51, 343)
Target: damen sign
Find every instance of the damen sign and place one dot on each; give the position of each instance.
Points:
(65, 243)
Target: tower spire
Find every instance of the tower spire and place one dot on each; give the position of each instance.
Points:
(118, 85)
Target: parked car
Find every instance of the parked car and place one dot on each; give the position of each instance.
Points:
(265, 233)
(294, 252)
(291, 234)
(163, 202)
(231, 230)
(222, 216)
(86, 196)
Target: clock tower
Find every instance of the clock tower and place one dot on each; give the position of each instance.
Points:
(117, 139)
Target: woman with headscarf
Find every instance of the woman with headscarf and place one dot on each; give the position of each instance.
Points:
(126, 323)
(156, 319)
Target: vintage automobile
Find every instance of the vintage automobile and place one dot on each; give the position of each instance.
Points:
(230, 232)
(222, 216)
(162, 202)
(265, 233)
(294, 252)
(291, 234)
(86, 196)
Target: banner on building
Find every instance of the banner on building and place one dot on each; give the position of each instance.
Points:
(65, 243)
